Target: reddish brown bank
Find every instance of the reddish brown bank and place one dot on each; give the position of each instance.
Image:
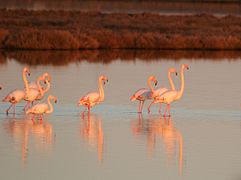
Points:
(70, 30)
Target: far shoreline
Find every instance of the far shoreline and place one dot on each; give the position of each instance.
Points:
(76, 30)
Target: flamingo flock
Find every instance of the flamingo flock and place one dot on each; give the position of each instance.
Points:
(35, 91)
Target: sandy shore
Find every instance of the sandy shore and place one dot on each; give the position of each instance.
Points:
(71, 30)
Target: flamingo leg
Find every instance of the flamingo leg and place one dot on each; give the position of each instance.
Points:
(9, 109)
(169, 107)
(14, 109)
(142, 104)
(88, 110)
(165, 111)
(149, 107)
(160, 107)
(139, 107)
(25, 107)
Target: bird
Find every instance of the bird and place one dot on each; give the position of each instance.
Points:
(161, 90)
(32, 94)
(17, 95)
(41, 95)
(34, 85)
(171, 96)
(42, 108)
(93, 98)
(144, 94)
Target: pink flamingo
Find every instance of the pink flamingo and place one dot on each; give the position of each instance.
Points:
(31, 93)
(144, 94)
(161, 90)
(171, 96)
(40, 96)
(34, 85)
(42, 108)
(93, 98)
(17, 95)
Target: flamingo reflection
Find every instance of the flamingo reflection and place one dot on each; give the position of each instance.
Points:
(164, 129)
(22, 130)
(92, 131)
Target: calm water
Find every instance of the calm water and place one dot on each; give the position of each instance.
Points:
(202, 140)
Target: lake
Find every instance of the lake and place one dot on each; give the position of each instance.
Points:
(201, 140)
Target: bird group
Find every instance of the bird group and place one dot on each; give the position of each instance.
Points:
(35, 91)
(162, 94)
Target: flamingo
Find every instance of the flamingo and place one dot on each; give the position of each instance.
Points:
(171, 96)
(42, 108)
(31, 93)
(93, 98)
(34, 85)
(144, 94)
(161, 90)
(40, 96)
(17, 95)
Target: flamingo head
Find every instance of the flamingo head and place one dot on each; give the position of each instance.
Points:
(53, 98)
(47, 76)
(185, 66)
(26, 70)
(103, 78)
(133, 98)
(153, 78)
(173, 70)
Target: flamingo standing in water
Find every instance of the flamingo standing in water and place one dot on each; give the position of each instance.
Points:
(94, 98)
(17, 95)
(42, 108)
(161, 90)
(144, 94)
(171, 96)
(31, 93)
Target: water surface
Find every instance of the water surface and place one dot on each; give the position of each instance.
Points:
(201, 140)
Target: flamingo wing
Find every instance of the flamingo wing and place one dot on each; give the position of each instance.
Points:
(14, 96)
(38, 109)
(33, 94)
(159, 92)
(168, 96)
(90, 99)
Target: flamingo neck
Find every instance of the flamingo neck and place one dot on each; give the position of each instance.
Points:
(170, 81)
(39, 87)
(150, 86)
(25, 80)
(47, 88)
(180, 92)
(101, 90)
(50, 110)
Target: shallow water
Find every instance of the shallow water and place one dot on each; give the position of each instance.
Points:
(201, 140)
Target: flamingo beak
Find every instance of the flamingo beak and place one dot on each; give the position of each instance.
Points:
(155, 83)
(0, 88)
(187, 68)
(28, 73)
(55, 101)
(176, 74)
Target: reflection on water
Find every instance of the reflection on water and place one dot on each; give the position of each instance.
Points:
(163, 128)
(91, 131)
(23, 130)
(62, 58)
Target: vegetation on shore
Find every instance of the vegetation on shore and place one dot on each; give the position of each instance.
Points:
(72, 30)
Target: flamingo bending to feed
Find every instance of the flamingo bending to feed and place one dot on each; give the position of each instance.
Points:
(162, 90)
(34, 85)
(42, 108)
(94, 98)
(17, 95)
(171, 96)
(31, 93)
(144, 94)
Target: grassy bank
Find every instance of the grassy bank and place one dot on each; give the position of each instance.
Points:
(71, 30)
